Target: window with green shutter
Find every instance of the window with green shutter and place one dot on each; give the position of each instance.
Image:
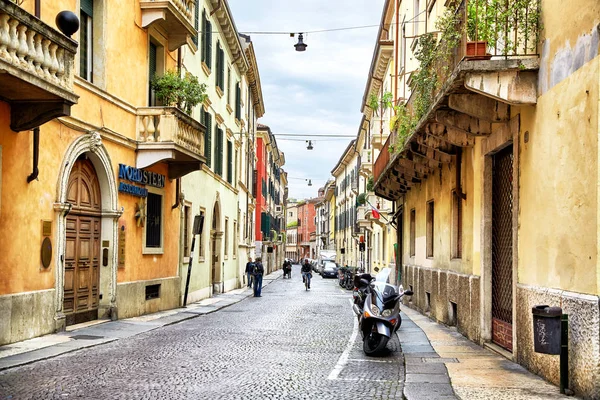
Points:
(220, 68)
(219, 152)
(151, 72)
(86, 39)
(206, 53)
(208, 139)
(238, 101)
(229, 161)
(196, 23)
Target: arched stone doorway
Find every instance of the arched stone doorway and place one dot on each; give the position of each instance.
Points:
(86, 154)
(82, 249)
(216, 235)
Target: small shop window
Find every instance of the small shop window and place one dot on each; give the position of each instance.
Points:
(153, 232)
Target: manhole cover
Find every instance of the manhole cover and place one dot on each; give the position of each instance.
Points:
(86, 337)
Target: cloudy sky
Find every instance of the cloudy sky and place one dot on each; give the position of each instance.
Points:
(318, 91)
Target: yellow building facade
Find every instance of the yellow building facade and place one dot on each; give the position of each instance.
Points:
(92, 230)
(496, 180)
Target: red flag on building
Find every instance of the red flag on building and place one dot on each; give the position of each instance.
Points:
(375, 213)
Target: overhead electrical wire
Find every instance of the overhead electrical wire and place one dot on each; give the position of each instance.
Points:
(348, 28)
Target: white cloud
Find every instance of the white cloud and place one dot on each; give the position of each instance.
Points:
(315, 92)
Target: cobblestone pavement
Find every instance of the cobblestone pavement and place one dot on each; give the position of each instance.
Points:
(286, 344)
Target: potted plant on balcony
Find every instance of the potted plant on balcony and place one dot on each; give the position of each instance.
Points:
(173, 90)
(504, 27)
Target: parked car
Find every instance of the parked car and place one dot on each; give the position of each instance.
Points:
(329, 269)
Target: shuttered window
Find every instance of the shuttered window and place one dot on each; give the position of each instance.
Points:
(206, 53)
(412, 232)
(86, 39)
(219, 152)
(430, 231)
(220, 82)
(196, 23)
(208, 138)
(238, 101)
(229, 161)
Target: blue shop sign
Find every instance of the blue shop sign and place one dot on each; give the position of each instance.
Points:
(140, 176)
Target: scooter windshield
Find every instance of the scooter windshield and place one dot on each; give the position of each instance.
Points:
(383, 275)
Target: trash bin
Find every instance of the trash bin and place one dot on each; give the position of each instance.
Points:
(546, 329)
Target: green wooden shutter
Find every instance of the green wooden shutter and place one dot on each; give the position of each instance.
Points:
(204, 37)
(219, 152)
(238, 105)
(208, 140)
(229, 162)
(208, 44)
(87, 6)
(196, 23)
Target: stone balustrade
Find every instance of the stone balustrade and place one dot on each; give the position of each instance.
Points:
(169, 124)
(29, 45)
(186, 7)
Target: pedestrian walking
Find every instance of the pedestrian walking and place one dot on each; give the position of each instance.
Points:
(259, 270)
(249, 271)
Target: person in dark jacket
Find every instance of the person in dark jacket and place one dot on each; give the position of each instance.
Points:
(306, 272)
(259, 270)
(249, 271)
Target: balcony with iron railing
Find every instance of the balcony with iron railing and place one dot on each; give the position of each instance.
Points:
(471, 91)
(36, 68)
(175, 17)
(167, 134)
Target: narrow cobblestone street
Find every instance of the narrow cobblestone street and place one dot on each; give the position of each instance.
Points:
(288, 344)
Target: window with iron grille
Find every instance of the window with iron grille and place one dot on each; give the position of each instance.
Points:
(413, 226)
(429, 235)
(456, 225)
(153, 230)
(86, 39)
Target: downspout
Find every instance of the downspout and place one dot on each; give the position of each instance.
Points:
(396, 53)
(36, 130)
(216, 8)
(178, 180)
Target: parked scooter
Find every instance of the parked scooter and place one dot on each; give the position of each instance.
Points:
(377, 306)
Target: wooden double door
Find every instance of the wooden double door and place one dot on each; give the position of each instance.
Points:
(82, 251)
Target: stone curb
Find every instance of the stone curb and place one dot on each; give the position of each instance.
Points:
(425, 374)
(51, 351)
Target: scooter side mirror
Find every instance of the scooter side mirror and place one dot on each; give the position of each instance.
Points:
(364, 282)
(408, 293)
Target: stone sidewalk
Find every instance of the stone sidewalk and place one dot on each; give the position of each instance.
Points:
(443, 364)
(104, 331)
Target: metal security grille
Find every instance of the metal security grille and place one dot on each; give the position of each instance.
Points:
(502, 255)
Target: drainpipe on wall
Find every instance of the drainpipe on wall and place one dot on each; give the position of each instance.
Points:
(36, 130)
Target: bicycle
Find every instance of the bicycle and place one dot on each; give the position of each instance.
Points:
(307, 276)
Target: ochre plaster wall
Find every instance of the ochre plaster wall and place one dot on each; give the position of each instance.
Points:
(438, 187)
(558, 233)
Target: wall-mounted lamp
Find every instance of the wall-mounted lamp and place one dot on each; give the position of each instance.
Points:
(300, 46)
(310, 146)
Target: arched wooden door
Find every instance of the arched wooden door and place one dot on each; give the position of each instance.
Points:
(82, 251)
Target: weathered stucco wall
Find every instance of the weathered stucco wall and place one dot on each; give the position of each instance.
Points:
(558, 234)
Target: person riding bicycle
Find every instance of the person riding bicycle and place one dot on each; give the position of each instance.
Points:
(306, 272)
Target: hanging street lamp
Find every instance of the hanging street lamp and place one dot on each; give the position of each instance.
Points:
(300, 46)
